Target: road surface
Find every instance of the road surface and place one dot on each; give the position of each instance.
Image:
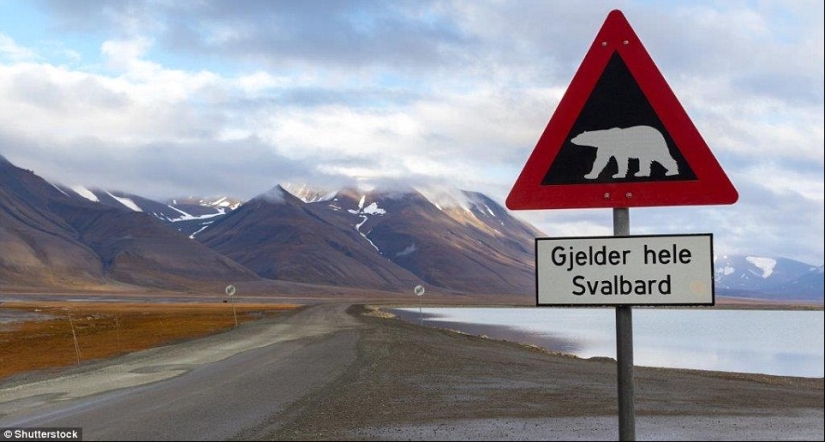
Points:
(207, 389)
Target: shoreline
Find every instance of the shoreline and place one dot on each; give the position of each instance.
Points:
(555, 345)
(502, 332)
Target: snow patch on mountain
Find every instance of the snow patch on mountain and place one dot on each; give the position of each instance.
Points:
(364, 235)
(189, 217)
(489, 210)
(373, 209)
(61, 190)
(477, 201)
(409, 250)
(205, 225)
(765, 264)
(126, 202)
(309, 194)
(720, 269)
(445, 198)
(185, 214)
(362, 212)
(213, 202)
(222, 202)
(85, 193)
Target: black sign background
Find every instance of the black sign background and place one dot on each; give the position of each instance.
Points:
(615, 102)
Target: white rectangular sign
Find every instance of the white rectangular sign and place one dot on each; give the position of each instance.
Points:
(625, 270)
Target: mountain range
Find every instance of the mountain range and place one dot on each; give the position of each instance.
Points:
(55, 237)
(295, 237)
(776, 279)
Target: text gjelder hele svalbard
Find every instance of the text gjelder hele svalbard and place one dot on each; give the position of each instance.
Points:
(572, 259)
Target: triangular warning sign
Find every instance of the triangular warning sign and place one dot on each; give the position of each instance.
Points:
(620, 138)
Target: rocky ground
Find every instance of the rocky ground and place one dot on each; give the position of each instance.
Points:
(410, 382)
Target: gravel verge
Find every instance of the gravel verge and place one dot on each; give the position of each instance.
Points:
(419, 383)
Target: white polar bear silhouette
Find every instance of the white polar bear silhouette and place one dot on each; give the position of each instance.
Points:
(642, 142)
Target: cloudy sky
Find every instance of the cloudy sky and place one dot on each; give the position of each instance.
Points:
(168, 98)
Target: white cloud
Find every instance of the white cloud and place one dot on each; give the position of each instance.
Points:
(12, 51)
(259, 81)
(456, 93)
(126, 55)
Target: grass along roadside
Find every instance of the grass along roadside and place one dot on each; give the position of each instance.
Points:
(68, 333)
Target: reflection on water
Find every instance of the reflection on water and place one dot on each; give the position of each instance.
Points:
(785, 343)
(11, 316)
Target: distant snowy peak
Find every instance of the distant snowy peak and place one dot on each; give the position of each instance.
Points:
(116, 199)
(309, 194)
(192, 215)
(215, 202)
(224, 202)
(443, 198)
(179, 209)
(755, 273)
(468, 208)
(765, 264)
(446, 198)
(484, 206)
(185, 216)
(759, 266)
(275, 195)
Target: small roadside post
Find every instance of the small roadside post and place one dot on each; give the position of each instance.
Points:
(230, 291)
(419, 291)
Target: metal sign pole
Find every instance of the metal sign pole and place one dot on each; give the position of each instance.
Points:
(419, 290)
(624, 345)
(235, 315)
(230, 291)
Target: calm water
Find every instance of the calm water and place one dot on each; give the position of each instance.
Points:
(12, 316)
(785, 343)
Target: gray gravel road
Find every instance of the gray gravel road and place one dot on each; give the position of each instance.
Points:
(209, 389)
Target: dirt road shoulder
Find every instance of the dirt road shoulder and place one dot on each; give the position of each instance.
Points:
(412, 382)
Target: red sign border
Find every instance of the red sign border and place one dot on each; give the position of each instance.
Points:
(711, 186)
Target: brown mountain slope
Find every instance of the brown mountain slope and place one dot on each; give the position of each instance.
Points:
(453, 247)
(52, 238)
(38, 248)
(138, 249)
(278, 237)
(384, 240)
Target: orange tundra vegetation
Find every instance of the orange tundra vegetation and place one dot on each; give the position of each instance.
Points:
(72, 332)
